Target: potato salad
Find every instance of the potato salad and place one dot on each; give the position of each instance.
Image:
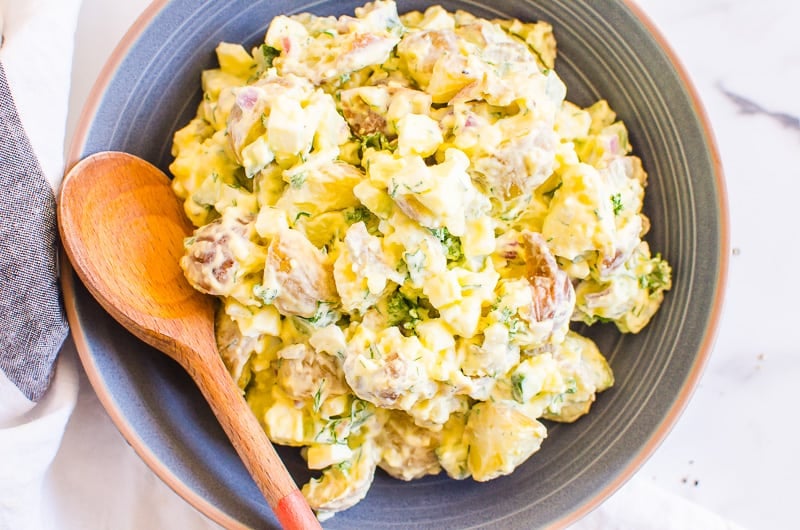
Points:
(401, 217)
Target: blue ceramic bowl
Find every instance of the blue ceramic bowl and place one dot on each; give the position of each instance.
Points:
(606, 49)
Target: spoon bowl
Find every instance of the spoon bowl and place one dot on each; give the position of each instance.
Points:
(122, 228)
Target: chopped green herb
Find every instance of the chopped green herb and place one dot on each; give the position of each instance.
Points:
(269, 54)
(241, 180)
(297, 180)
(517, 391)
(514, 325)
(318, 396)
(510, 320)
(415, 262)
(556, 403)
(359, 213)
(373, 352)
(616, 203)
(402, 312)
(592, 319)
(344, 466)
(340, 427)
(325, 316)
(659, 278)
(265, 294)
(550, 193)
(301, 214)
(506, 314)
(393, 24)
(393, 187)
(331, 432)
(452, 244)
(359, 414)
(377, 140)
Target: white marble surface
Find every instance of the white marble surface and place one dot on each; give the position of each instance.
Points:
(732, 450)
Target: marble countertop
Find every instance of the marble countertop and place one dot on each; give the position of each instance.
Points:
(732, 451)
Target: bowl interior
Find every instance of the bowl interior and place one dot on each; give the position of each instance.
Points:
(605, 51)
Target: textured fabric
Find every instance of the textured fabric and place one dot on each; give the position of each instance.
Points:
(29, 446)
(32, 323)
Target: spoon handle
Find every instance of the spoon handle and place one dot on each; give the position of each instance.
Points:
(252, 443)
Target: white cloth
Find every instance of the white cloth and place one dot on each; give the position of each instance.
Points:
(39, 37)
(28, 446)
(36, 54)
(642, 505)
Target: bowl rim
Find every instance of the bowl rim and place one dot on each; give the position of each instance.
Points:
(78, 141)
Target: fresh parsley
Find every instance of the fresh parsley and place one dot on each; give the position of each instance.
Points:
(359, 213)
(616, 203)
(297, 180)
(343, 466)
(265, 294)
(659, 278)
(451, 243)
(508, 318)
(318, 396)
(402, 312)
(325, 316)
(377, 140)
(340, 427)
(301, 214)
(517, 392)
(269, 54)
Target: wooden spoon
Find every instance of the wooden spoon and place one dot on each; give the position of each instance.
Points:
(123, 230)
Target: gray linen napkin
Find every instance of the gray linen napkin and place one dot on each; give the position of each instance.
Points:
(32, 323)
